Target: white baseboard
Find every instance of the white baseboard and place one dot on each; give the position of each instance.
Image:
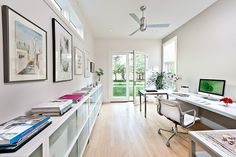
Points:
(211, 124)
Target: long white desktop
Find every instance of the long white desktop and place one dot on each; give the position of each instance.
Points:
(211, 105)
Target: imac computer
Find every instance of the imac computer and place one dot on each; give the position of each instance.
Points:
(212, 87)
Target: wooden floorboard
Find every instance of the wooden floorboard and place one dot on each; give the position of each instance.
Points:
(122, 131)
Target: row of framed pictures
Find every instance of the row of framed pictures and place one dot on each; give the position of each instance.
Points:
(25, 51)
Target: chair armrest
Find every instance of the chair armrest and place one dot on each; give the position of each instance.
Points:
(189, 111)
(194, 116)
(158, 108)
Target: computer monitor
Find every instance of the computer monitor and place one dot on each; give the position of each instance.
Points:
(212, 86)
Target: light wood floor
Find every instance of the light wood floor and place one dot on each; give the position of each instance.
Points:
(122, 131)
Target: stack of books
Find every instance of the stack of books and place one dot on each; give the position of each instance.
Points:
(53, 108)
(84, 91)
(16, 132)
(75, 97)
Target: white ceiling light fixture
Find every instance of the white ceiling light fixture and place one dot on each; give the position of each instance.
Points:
(143, 22)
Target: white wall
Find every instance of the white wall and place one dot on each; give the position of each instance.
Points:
(207, 47)
(104, 47)
(18, 98)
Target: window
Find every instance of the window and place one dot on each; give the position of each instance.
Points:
(70, 15)
(56, 5)
(170, 56)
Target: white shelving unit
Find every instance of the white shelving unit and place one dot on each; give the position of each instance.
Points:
(68, 135)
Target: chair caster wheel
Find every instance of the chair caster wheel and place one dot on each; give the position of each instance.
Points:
(159, 131)
(168, 144)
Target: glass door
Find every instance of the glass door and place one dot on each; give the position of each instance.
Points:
(139, 72)
(128, 76)
(120, 79)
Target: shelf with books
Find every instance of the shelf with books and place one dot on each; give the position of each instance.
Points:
(82, 121)
(67, 135)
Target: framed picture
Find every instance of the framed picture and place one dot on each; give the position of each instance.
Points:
(86, 66)
(25, 48)
(79, 61)
(92, 67)
(62, 53)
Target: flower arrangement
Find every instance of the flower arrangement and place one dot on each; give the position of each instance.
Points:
(173, 77)
(172, 80)
(226, 101)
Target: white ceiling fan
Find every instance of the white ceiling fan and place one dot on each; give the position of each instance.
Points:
(143, 22)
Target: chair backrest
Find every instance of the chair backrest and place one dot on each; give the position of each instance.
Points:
(171, 110)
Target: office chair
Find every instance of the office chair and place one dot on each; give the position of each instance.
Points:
(171, 110)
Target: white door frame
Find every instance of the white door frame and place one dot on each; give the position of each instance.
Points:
(134, 70)
(126, 98)
(110, 90)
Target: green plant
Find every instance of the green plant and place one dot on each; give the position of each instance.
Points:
(158, 79)
(99, 73)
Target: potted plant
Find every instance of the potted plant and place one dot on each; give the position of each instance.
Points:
(158, 79)
(99, 73)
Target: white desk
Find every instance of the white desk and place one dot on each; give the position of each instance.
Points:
(214, 106)
(144, 93)
(211, 141)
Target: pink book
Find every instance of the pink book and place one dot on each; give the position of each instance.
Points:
(75, 97)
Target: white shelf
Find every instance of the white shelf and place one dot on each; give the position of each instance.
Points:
(82, 152)
(42, 139)
(75, 139)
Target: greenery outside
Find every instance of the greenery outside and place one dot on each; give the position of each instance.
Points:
(119, 74)
(119, 88)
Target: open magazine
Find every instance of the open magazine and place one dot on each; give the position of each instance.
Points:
(15, 129)
(225, 141)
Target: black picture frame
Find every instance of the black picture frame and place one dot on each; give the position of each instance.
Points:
(25, 57)
(92, 67)
(78, 61)
(86, 66)
(62, 53)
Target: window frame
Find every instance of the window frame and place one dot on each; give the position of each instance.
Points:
(78, 31)
(175, 39)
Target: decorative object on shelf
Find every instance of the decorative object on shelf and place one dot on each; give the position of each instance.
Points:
(86, 66)
(227, 101)
(99, 73)
(25, 48)
(62, 53)
(158, 79)
(79, 61)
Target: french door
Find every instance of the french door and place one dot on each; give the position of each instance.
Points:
(127, 75)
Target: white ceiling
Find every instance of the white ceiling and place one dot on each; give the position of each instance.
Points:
(110, 18)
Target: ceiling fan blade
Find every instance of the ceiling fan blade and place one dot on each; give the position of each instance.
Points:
(134, 32)
(135, 17)
(158, 25)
